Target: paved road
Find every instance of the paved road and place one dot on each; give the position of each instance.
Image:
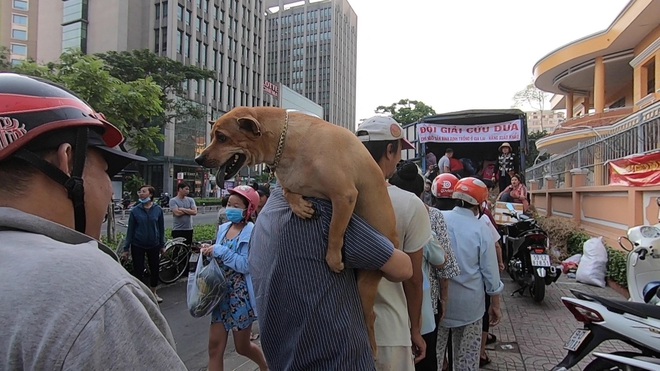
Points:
(530, 337)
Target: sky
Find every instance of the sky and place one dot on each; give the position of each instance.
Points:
(463, 54)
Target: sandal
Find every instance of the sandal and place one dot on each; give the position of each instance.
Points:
(254, 337)
(483, 361)
(491, 338)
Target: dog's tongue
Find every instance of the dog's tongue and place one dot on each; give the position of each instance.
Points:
(220, 177)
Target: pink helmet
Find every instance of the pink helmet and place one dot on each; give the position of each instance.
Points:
(250, 195)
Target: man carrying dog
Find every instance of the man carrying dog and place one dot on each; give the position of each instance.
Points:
(299, 298)
(398, 306)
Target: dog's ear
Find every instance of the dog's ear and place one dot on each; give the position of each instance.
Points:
(211, 122)
(250, 125)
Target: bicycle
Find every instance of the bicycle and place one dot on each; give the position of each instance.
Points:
(173, 263)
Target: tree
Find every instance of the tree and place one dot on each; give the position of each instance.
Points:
(407, 111)
(533, 151)
(531, 97)
(167, 73)
(5, 65)
(130, 105)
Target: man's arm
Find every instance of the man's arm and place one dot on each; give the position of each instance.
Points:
(176, 210)
(398, 268)
(193, 210)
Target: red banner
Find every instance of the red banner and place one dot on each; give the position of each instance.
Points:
(636, 171)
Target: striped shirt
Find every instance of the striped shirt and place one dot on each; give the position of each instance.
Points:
(309, 317)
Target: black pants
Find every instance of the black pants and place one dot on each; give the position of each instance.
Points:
(505, 181)
(153, 258)
(187, 234)
(430, 362)
(485, 326)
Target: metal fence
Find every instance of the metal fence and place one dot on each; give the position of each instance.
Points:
(638, 133)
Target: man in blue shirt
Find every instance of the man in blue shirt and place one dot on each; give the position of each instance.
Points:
(309, 317)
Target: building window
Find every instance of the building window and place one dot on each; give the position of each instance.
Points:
(20, 5)
(164, 9)
(179, 41)
(74, 10)
(157, 41)
(16, 62)
(19, 49)
(179, 13)
(188, 17)
(74, 36)
(650, 77)
(20, 20)
(164, 37)
(19, 34)
(157, 11)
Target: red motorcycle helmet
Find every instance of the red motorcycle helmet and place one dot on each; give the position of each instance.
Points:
(250, 195)
(471, 190)
(443, 185)
(37, 115)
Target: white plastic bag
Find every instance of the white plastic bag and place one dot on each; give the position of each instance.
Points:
(593, 264)
(207, 286)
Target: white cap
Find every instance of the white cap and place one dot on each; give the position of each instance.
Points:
(380, 128)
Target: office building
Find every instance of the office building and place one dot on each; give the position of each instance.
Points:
(18, 29)
(226, 36)
(312, 48)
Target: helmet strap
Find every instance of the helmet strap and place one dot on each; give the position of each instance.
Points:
(72, 183)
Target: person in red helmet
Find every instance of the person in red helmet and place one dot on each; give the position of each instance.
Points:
(79, 309)
(237, 311)
(474, 248)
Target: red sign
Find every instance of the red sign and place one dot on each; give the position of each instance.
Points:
(272, 89)
(636, 171)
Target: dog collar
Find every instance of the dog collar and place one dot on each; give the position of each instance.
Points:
(280, 144)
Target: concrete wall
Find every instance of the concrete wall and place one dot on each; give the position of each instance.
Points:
(606, 211)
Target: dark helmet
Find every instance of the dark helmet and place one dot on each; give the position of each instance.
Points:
(37, 115)
(650, 290)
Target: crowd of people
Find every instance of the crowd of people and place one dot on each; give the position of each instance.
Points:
(439, 294)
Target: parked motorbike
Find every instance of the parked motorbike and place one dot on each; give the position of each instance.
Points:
(526, 246)
(636, 322)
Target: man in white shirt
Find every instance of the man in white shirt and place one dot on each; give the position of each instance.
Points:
(398, 306)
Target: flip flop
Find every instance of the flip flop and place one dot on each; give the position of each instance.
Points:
(484, 361)
(254, 337)
(491, 338)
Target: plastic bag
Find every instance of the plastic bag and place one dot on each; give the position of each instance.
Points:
(207, 286)
(593, 264)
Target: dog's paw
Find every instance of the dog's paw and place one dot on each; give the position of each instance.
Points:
(334, 262)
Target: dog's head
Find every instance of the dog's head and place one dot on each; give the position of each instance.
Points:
(237, 139)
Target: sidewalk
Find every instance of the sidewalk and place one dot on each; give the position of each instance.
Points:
(530, 337)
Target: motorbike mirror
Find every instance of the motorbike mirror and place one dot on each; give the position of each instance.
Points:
(626, 244)
(509, 206)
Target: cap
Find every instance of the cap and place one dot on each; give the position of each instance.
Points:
(380, 128)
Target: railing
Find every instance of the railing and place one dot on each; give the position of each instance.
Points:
(636, 134)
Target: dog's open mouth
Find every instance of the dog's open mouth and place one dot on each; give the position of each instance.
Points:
(230, 168)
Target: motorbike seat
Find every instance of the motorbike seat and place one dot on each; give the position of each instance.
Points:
(619, 306)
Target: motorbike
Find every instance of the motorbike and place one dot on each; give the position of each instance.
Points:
(636, 322)
(526, 247)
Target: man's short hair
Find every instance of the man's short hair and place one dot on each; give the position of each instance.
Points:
(377, 149)
(182, 185)
(449, 150)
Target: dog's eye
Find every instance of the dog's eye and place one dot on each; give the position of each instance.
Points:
(221, 137)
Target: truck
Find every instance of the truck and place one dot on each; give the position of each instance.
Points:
(474, 135)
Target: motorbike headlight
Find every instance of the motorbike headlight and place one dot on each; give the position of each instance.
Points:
(648, 231)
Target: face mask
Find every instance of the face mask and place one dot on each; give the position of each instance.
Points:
(145, 201)
(235, 215)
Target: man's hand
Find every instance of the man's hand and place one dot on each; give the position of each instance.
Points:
(442, 310)
(418, 346)
(125, 255)
(206, 251)
(495, 314)
(502, 267)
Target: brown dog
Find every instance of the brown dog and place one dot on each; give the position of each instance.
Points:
(312, 158)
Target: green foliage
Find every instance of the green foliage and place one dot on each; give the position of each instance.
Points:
(133, 185)
(533, 151)
(205, 232)
(165, 72)
(129, 104)
(616, 266)
(576, 241)
(214, 201)
(407, 111)
(5, 64)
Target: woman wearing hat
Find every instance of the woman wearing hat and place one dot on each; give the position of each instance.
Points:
(506, 165)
